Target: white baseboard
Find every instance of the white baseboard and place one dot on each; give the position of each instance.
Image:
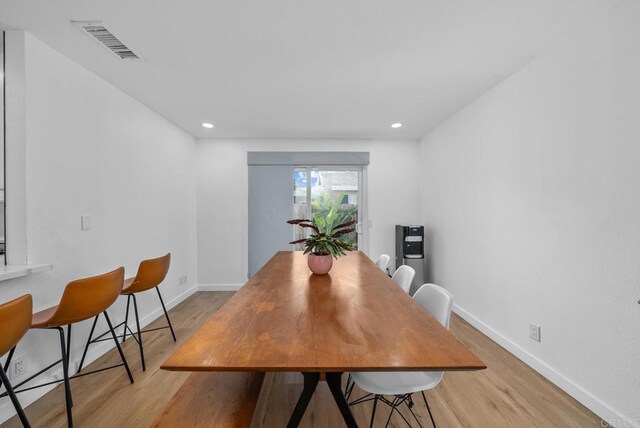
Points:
(219, 287)
(170, 305)
(597, 406)
(95, 351)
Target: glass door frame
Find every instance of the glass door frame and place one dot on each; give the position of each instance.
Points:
(362, 229)
(3, 142)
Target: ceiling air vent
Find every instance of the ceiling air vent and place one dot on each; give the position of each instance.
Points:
(101, 34)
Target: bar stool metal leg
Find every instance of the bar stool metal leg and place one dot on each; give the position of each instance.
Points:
(6, 363)
(135, 308)
(126, 320)
(166, 314)
(68, 344)
(115, 339)
(86, 348)
(14, 399)
(65, 371)
(69, 352)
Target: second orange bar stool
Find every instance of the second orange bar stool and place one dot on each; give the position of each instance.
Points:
(150, 275)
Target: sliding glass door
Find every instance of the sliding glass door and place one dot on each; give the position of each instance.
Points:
(286, 185)
(316, 190)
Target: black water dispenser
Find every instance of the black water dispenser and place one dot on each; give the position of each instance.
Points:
(410, 251)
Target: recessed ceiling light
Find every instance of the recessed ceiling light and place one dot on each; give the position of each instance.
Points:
(396, 125)
(208, 125)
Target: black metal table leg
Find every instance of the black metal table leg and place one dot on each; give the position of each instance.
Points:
(334, 381)
(311, 380)
(310, 383)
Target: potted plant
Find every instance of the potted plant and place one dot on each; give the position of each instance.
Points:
(326, 241)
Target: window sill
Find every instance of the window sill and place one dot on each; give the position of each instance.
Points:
(16, 271)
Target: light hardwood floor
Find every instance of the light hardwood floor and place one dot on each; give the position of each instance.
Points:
(507, 394)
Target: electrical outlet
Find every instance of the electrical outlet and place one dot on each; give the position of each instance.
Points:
(183, 279)
(18, 368)
(534, 332)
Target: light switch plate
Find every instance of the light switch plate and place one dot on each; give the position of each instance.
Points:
(85, 222)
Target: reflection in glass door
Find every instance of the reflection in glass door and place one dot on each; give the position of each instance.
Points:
(316, 190)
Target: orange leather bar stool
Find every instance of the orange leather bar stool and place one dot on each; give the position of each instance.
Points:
(82, 299)
(150, 275)
(15, 320)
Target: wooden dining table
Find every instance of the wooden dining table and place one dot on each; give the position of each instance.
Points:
(286, 319)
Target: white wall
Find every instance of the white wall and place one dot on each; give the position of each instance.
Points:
(91, 149)
(532, 197)
(222, 197)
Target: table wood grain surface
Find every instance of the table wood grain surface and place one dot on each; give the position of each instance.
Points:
(352, 319)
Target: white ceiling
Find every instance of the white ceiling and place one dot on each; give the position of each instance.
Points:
(306, 69)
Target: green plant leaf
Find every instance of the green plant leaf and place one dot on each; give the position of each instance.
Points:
(329, 227)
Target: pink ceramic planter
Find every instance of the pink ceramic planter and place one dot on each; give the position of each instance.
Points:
(320, 265)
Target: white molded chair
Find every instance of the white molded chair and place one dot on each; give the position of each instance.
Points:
(403, 276)
(438, 302)
(383, 262)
